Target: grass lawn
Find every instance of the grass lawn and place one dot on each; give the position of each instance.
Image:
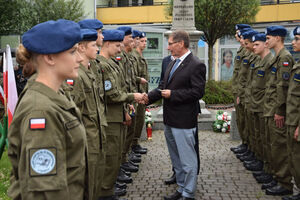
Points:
(5, 169)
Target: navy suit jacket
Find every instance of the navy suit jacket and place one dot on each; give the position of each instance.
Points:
(165, 62)
(187, 86)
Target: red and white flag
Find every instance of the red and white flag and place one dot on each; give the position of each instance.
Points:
(37, 123)
(1, 95)
(9, 84)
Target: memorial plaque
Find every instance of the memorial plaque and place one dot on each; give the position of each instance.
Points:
(183, 15)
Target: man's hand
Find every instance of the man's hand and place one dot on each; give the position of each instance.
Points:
(145, 98)
(138, 97)
(166, 93)
(127, 119)
(296, 134)
(238, 100)
(143, 81)
(279, 120)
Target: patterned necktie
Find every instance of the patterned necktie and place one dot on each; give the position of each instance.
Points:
(175, 66)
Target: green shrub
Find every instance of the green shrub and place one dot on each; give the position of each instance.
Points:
(5, 169)
(218, 92)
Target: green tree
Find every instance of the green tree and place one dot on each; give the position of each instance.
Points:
(17, 16)
(217, 18)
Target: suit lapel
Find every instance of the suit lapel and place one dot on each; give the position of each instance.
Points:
(181, 66)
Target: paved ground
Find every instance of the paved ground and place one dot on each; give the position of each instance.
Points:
(222, 175)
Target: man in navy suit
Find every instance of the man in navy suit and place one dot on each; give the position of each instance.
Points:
(165, 62)
(182, 87)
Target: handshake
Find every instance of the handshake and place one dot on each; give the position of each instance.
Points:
(141, 98)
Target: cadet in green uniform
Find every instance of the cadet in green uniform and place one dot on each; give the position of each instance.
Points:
(243, 93)
(258, 85)
(129, 64)
(116, 115)
(236, 67)
(293, 117)
(85, 93)
(142, 80)
(48, 146)
(275, 106)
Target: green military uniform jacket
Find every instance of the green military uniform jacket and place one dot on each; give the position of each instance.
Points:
(48, 146)
(85, 92)
(243, 76)
(142, 72)
(129, 65)
(293, 97)
(258, 83)
(236, 68)
(98, 71)
(277, 85)
(114, 89)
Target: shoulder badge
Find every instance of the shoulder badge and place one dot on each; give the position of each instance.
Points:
(252, 65)
(245, 61)
(273, 70)
(285, 76)
(285, 64)
(238, 57)
(70, 81)
(37, 123)
(107, 85)
(297, 77)
(261, 73)
(42, 161)
(118, 58)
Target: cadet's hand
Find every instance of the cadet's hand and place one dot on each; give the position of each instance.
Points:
(145, 98)
(143, 81)
(127, 119)
(238, 100)
(131, 107)
(296, 133)
(138, 97)
(279, 120)
(166, 93)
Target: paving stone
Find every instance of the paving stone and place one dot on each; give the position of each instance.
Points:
(222, 176)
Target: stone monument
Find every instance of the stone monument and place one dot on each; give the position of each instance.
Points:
(184, 19)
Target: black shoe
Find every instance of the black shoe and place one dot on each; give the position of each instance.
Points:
(128, 167)
(135, 154)
(241, 146)
(255, 167)
(258, 173)
(120, 192)
(139, 149)
(173, 196)
(278, 190)
(122, 178)
(186, 198)
(125, 172)
(133, 164)
(269, 185)
(246, 153)
(241, 150)
(266, 178)
(294, 197)
(134, 158)
(248, 158)
(171, 180)
(121, 185)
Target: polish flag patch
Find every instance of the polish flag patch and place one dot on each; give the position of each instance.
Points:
(118, 58)
(285, 64)
(70, 81)
(37, 123)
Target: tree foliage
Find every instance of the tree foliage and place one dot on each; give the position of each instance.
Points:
(17, 16)
(217, 18)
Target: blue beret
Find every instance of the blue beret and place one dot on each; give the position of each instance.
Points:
(127, 29)
(113, 35)
(297, 30)
(52, 37)
(259, 37)
(241, 26)
(244, 30)
(135, 33)
(89, 34)
(91, 24)
(249, 34)
(276, 31)
(142, 35)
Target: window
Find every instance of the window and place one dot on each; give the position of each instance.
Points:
(147, 2)
(123, 3)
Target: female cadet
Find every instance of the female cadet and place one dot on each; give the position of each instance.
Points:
(48, 144)
(85, 93)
